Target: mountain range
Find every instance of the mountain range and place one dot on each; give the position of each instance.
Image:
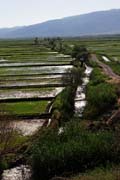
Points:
(96, 23)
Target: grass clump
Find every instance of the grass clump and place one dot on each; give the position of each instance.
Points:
(74, 150)
(115, 66)
(100, 173)
(101, 95)
(64, 103)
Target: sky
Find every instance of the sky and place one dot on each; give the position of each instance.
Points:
(27, 12)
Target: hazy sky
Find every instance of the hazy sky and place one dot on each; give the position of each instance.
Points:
(26, 12)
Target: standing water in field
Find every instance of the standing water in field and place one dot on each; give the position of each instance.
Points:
(80, 98)
(105, 59)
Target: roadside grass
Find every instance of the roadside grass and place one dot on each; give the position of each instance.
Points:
(101, 96)
(115, 67)
(100, 173)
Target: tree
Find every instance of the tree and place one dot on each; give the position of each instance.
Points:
(36, 41)
(80, 53)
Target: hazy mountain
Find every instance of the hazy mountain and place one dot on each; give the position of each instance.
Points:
(96, 23)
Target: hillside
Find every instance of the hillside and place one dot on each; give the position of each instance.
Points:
(96, 23)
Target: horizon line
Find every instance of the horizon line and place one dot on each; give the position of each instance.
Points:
(20, 26)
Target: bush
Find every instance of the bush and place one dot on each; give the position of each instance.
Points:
(97, 77)
(74, 150)
(100, 95)
(100, 98)
(64, 103)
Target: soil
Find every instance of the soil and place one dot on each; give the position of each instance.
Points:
(107, 70)
(115, 79)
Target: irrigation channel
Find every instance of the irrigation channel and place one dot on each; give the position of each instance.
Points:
(80, 98)
(23, 172)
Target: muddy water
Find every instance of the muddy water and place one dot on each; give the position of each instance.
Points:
(30, 82)
(80, 98)
(29, 94)
(63, 56)
(3, 60)
(35, 70)
(19, 173)
(30, 64)
(41, 77)
(25, 128)
(106, 59)
(28, 127)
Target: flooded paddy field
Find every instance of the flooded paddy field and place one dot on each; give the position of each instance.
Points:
(30, 93)
(30, 77)
(29, 82)
(109, 46)
(43, 63)
(34, 70)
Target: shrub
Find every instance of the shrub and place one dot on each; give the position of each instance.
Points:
(74, 150)
(97, 77)
(100, 98)
(64, 103)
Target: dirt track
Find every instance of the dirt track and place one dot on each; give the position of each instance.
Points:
(106, 69)
(114, 79)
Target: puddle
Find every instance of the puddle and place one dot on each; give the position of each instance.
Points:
(61, 130)
(63, 56)
(105, 59)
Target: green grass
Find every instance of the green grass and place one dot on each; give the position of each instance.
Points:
(104, 45)
(112, 173)
(101, 96)
(75, 150)
(25, 108)
(115, 67)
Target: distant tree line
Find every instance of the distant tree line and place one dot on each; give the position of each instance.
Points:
(78, 52)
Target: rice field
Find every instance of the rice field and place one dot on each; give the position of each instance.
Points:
(109, 46)
(30, 76)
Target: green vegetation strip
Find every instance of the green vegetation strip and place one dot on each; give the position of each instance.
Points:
(75, 150)
(25, 108)
(101, 96)
(100, 173)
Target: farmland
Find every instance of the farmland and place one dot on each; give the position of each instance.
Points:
(29, 72)
(73, 107)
